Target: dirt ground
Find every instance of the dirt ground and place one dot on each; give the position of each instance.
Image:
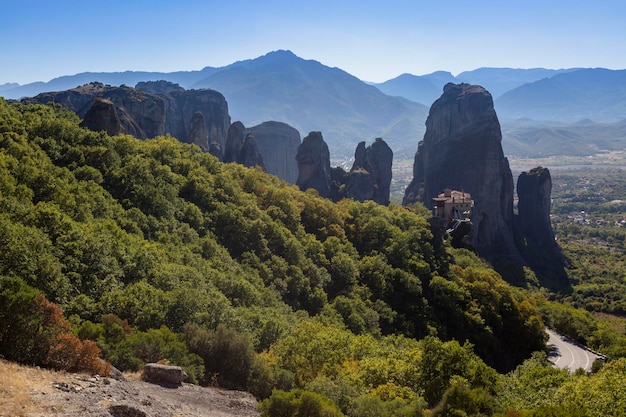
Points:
(34, 392)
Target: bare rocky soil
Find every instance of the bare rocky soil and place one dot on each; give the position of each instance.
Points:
(61, 394)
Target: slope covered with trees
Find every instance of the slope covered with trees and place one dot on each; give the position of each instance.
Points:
(155, 250)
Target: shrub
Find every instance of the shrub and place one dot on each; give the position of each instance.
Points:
(370, 405)
(33, 330)
(266, 377)
(19, 320)
(298, 403)
(68, 353)
(155, 345)
(227, 354)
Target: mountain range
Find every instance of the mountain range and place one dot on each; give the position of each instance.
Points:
(541, 110)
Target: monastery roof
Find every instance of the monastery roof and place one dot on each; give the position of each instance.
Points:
(453, 195)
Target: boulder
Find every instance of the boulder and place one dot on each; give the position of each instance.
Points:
(126, 410)
(163, 374)
(313, 160)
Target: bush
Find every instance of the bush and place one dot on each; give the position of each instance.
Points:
(298, 403)
(68, 353)
(266, 377)
(370, 405)
(227, 354)
(153, 346)
(19, 320)
(33, 330)
(461, 400)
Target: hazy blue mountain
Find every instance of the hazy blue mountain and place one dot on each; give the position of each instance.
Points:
(8, 86)
(500, 80)
(130, 78)
(313, 97)
(532, 104)
(598, 94)
(423, 89)
(426, 89)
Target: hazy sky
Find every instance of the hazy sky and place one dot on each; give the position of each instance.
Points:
(373, 40)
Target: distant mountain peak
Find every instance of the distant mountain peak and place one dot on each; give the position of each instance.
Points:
(281, 53)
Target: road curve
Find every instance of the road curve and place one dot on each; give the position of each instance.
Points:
(565, 354)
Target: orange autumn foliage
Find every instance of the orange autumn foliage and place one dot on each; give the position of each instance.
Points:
(65, 351)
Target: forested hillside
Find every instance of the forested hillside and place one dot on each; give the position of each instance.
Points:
(149, 250)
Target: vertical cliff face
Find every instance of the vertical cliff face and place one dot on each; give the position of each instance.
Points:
(313, 160)
(154, 109)
(462, 150)
(370, 176)
(242, 148)
(102, 116)
(278, 143)
(534, 235)
(250, 155)
(181, 106)
(198, 132)
(380, 158)
(234, 141)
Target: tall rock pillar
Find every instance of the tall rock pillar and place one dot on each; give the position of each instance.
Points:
(462, 151)
(314, 164)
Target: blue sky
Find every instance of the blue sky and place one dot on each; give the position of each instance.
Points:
(375, 41)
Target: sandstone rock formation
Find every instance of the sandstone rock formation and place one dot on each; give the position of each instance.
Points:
(198, 132)
(462, 150)
(158, 87)
(370, 176)
(151, 114)
(314, 164)
(361, 185)
(216, 150)
(533, 231)
(250, 155)
(234, 141)
(278, 143)
(102, 115)
(242, 148)
(380, 157)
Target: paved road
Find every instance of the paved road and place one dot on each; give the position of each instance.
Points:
(567, 355)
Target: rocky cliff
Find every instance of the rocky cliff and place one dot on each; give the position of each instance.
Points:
(313, 160)
(234, 141)
(250, 155)
(171, 110)
(370, 176)
(102, 115)
(462, 150)
(533, 231)
(278, 143)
